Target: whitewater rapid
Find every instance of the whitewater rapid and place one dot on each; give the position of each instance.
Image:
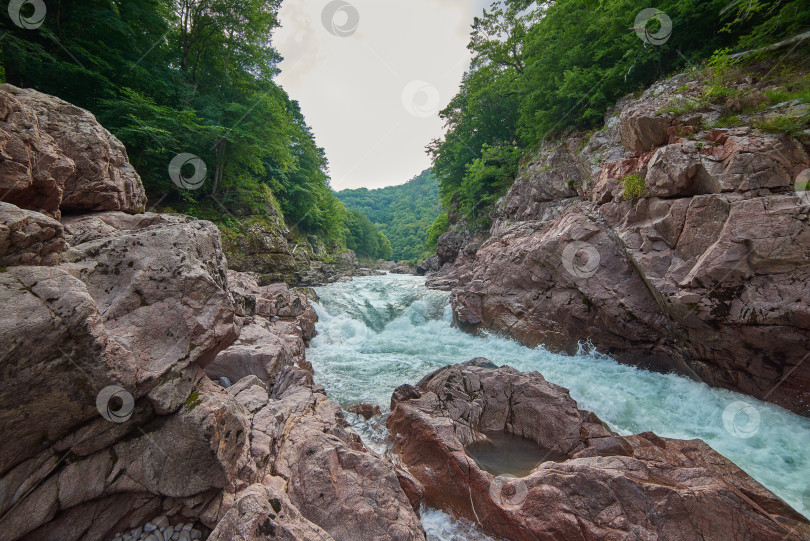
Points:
(376, 333)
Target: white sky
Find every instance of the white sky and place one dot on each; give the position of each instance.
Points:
(372, 97)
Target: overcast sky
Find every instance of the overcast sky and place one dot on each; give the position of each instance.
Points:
(371, 76)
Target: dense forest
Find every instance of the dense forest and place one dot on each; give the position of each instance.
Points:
(542, 68)
(191, 78)
(403, 213)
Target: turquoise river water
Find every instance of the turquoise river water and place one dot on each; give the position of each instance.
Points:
(376, 333)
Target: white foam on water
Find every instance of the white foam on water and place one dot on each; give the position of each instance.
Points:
(378, 332)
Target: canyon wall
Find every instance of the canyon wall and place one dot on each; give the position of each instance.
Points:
(703, 269)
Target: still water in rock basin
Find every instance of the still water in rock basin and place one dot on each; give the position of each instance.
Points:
(376, 333)
(507, 454)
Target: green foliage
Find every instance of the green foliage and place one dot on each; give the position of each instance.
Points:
(540, 69)
(365, 239)
(789, 125)
(487, 178)
(403, 213)
(766, 21)
(439, 227)
(633, 187)
(185, 76)
(719, 67)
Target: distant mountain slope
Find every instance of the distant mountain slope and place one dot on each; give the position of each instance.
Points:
(404, 213)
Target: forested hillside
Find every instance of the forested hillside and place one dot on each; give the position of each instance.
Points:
(403, 213)
(188, 84)
(543, 68)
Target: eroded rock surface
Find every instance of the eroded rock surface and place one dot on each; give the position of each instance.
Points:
(85, 167)
(600, 485)
(698, 275)
(28, 237)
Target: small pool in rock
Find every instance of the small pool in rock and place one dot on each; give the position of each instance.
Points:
(507, 454)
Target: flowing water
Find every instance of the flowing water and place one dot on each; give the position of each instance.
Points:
(376, 333)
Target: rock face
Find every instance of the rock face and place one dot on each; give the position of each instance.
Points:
(597, 486)
(28, 237)
(278, 323)
(697, 275)
(79, 165)
(113, 323)
(428, 266)
(266, 249)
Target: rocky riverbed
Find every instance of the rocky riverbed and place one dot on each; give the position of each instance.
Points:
(149, 391)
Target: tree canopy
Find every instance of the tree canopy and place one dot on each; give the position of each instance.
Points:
(186, 76)
(403, 213)
(540, 68)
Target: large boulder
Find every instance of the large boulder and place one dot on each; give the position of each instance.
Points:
(33, 168)
(85, 168)
(28, 237)
(161, 283)
(588, 483)
(57, 355)
(263, 350)
(120, 474)
(300, 435)
(265, 511)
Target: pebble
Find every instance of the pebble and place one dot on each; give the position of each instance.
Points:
(159, 529)
(225, 382)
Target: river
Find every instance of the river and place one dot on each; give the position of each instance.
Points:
(376, 333)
